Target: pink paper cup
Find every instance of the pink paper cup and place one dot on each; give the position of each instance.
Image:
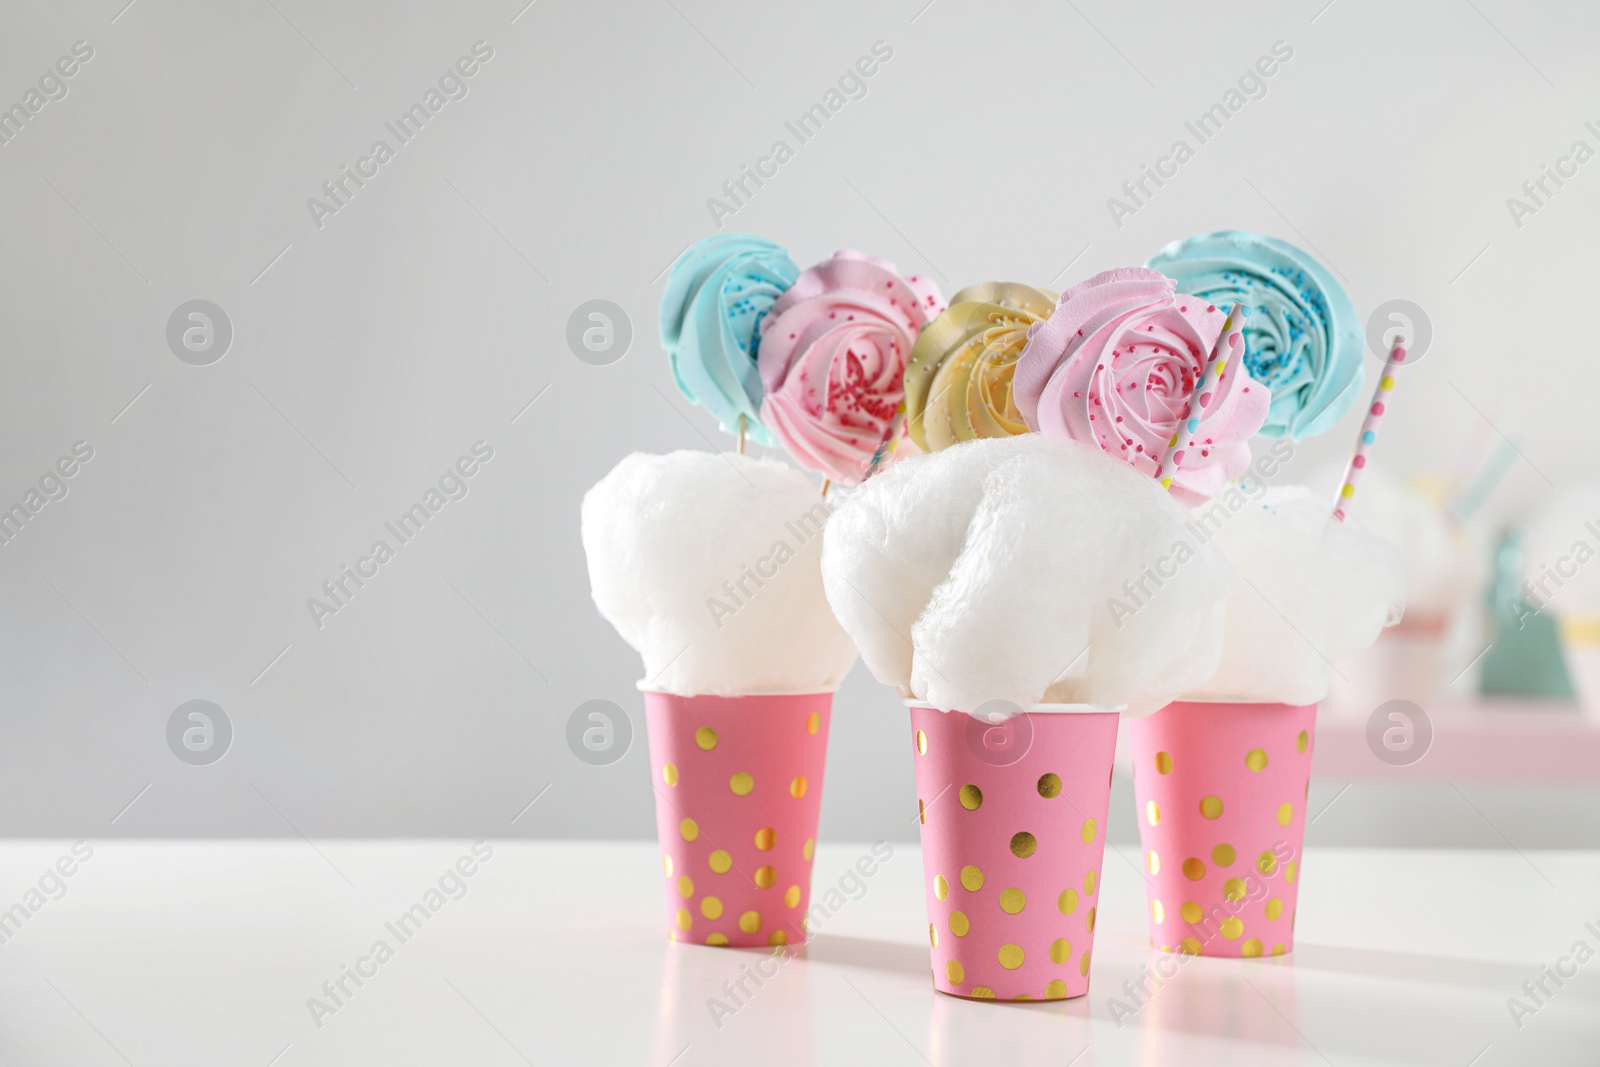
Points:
(1221, 789)
(1012, 818)
(738, 784)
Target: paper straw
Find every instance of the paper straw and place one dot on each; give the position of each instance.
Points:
(1230, 342)
(1369, 429)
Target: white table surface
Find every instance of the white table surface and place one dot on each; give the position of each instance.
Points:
(206, 953)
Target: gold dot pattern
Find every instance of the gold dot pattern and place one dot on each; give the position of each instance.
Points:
(685, 920)
(1090, 880)
(666, 864)
(1190, 911)
(1277, 950)
(1285, 814)
(669, 774)
(1060, 950)
(1157, 912)
(766, 839)
(750, 922)
(766, 877)
(1088, 831)
(1234, 889)
(1163, 763)
(922, 743)
(1050, 785)
(922, 812)
(941, 888)
(1010, 956)
(741, 784)
(1088, 922)
(959, 924)
(1154, 862)
(1274, 908)
(1067, 903)
(1023, 845)
(1211, 807)
(1223, 855)
(1250, 949)
(1232, 927)
(716, 940)
(779, 937)
(983, 992)
(1289, 870)
(1266, 863)
(813, 721)
(791, 896)
(1194, 869)
(971, 797)
(706, 738)
(1256, 759)
(811, 845)
(720, 862)
(1152, 812)
(1055, 989)
(1083, 964)
(797, 788)
(1302, 741)
(1012, 901)
(1189, 946)
(711, 907)
(971, 879)
(933, 935)
(685, 886)
(954, 973)
(689, 829)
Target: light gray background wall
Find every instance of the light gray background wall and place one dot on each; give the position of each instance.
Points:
(426, 315)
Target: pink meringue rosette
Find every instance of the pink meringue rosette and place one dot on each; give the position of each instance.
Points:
(1114, 367)
(833, 356)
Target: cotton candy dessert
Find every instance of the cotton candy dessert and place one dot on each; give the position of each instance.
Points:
(1561, 576)
(1303, 341)
(708, 565)
(977, 581)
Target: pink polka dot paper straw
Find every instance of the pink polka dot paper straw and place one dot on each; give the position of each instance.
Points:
(1229, 346)
(1369, 428)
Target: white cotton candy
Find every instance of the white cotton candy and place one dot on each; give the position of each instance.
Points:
(1561, 554)
(988, 571)
(708, 565)
(1446, 566)
(1310, 591)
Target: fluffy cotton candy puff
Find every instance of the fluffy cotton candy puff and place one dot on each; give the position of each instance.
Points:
(708, 565)
(1309, 592)
(987, 571)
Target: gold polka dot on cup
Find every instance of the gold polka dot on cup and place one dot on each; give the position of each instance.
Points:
(811, 843)
(1223, 855)
(1250, 949)
(1060, 950)
(1087, 833)
(971, 879)
(1266, 863)
(1189, 946)
(1050, 785)
(1256, 759)
(933, 935)
(1274, 908)
(1010, 956)
(1157, 912)
(922, 812)
(797, 788)
(720, 862)
(1055, 989)
(941, 888)
(669, 773)
(1289, 871)
(711, 907)
(1277, 950)
(779, 937)
(1234, 889)
(1088, 921)
(971, 797)
(1232, 927)
(1302, 741)
(791, 896)
(1067, 902)
(954, 973)
(1152, 813)
(766, 877)
(666, 864)
(1023, 844)
(717, 940)
(1012, 901)
(1083, 964)
(750, 922)
(1190, 911)
(1194, 869)
(741, 784)
(959, 924)
(1285, 814)
(685, 886)
(1090, 880)
(1211, 807)
(1163, 763)
(689, 829)
(983, 992)
(1154, 862)
(922, 743)
(685, 920)
(813, 721)
(766, 838)
(706, 738)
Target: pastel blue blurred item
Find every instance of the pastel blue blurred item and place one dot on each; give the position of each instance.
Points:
(1302, 341)
(718, 292)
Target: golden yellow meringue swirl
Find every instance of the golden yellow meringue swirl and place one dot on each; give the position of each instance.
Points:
(958, 379)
